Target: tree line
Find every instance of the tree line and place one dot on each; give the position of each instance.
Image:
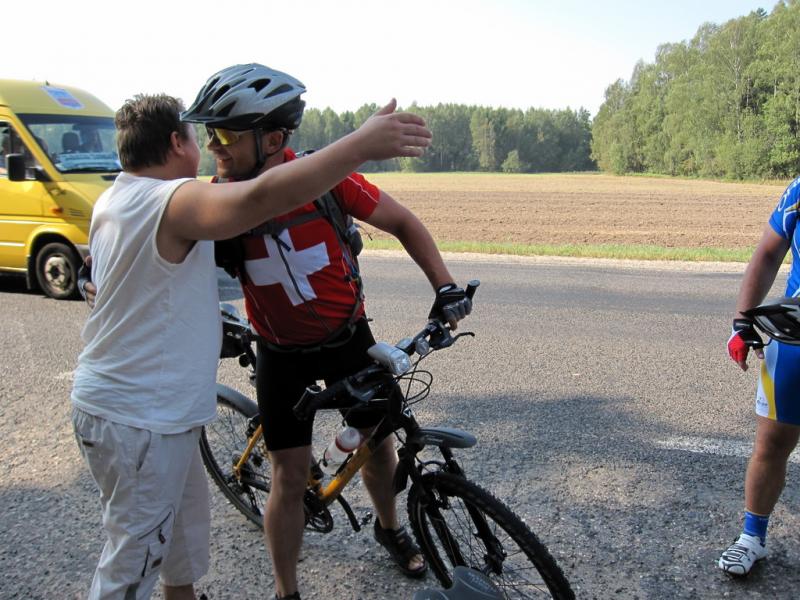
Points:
(724, 104)
(472, 138)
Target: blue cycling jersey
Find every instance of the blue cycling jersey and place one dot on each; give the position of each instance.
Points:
(784, 222)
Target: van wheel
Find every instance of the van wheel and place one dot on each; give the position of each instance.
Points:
(57, 271)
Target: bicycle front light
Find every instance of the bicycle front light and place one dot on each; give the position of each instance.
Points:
(391, 357)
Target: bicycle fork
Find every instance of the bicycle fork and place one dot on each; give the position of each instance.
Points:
(433, 502)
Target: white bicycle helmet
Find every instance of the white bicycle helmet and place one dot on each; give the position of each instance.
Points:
(250, 96)
(779, 320)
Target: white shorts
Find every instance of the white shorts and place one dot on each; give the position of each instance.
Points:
(154, 496)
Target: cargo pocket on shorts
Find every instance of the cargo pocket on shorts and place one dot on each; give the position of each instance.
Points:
(85, 434)
(157, 542)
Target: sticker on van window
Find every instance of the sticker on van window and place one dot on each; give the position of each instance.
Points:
(63, 97)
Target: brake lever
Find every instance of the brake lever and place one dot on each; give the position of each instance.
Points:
(462, 334)
(445, 334)
(440, 337)
(758, 345)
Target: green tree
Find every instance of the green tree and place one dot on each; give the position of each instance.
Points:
(711, 106)
(207, 166)
(512, 164)
(484, 139)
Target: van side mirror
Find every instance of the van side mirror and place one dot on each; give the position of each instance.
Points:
(15, 165)
(39, 174)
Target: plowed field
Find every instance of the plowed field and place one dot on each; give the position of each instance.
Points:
(586, 209)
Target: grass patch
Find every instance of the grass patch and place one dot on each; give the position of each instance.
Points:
(617, 251)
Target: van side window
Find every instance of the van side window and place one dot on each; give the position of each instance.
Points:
(11, 143)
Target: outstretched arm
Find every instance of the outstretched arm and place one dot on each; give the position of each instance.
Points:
(200, 210)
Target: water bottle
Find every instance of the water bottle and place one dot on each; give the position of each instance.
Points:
(346, 441)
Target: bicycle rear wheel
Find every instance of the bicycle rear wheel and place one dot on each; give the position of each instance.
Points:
(222, 444)
(458, 523)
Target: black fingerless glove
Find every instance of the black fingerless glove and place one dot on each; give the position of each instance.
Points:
(451, 303)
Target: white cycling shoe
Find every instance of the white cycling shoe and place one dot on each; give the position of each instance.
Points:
(740, 556)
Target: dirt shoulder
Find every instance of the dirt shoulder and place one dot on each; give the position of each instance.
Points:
(651, 265)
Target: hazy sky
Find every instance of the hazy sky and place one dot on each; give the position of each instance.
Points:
(513, 53)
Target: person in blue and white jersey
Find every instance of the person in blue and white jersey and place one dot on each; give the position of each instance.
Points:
(778, 396)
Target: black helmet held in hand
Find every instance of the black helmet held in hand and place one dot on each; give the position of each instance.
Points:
(250, 96)
(779, 320)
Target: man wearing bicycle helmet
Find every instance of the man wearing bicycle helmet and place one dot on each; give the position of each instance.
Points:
(303, 296)
(777, 403)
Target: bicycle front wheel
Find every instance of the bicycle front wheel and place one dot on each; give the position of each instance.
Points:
(458, 523)
(222, 444)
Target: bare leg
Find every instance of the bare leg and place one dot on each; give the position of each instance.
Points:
(179, 592)
(378, 474)
(766, 471)
(284, 519)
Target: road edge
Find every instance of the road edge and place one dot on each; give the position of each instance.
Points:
(613, 263)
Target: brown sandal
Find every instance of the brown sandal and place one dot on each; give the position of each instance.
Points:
(401, 548)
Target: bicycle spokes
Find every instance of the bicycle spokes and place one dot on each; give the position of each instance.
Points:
(473, 521)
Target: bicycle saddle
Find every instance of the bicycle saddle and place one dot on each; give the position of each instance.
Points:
(468, 584)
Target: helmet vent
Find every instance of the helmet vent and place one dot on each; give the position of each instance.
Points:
(220, 93)
(259, 84)
(226, 110)
(279, 90)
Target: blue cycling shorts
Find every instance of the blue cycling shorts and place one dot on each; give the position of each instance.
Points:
(778, 396)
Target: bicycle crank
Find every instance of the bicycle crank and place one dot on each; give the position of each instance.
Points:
(318, 517)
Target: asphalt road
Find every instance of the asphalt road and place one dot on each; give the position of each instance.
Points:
(606, 409)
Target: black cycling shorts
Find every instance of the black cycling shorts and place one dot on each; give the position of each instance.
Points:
(282, 377)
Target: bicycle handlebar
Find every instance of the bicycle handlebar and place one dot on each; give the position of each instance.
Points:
(333, 396)
(314, 398)
(471, 287)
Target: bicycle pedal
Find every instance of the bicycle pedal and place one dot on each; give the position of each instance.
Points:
(366, 519)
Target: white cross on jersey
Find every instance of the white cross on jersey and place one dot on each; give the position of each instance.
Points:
(302, 263)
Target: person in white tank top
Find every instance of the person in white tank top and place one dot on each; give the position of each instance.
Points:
(145, 381)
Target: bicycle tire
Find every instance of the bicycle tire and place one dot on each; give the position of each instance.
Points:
(222, 443)
(439, 526)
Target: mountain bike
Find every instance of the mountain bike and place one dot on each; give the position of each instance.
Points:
(456, 522)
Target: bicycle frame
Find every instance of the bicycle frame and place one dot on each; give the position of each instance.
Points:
(328, 494)
(395, 420)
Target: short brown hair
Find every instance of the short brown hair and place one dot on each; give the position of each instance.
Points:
(144, 126)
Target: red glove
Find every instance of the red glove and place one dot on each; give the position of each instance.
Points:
(743, 337)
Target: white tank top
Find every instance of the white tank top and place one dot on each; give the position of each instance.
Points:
(153, 338)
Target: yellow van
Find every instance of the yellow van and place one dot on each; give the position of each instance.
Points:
(58, 154)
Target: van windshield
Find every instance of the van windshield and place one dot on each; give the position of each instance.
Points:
(76, 144)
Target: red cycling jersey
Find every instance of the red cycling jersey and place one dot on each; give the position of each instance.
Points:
(296, 287)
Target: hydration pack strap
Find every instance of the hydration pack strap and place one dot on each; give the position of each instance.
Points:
(275, 228)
